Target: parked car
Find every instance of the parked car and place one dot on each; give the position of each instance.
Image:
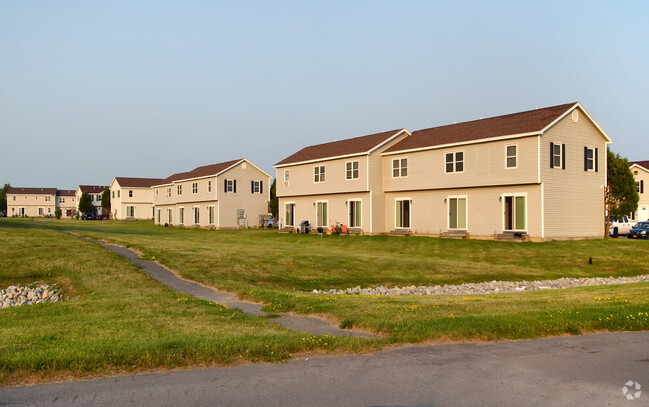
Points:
(639, 231)
(621, 226)
(87, 216)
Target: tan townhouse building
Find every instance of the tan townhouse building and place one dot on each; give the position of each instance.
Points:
(132, 198)
(336, 183)
(536, 175)
(31, 202)
(640, 170)
(230, 194)
(67, 202)
(95, 192)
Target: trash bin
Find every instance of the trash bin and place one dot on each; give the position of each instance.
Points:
(304, 226)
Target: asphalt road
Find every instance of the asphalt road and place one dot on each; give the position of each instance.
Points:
(589, 370)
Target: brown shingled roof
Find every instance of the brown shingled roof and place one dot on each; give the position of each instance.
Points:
(31, 191)
(92, 189)
(643, 164)
(197, 172)
(511, 124)
(356, 145)
(65, 192)
(126, 182)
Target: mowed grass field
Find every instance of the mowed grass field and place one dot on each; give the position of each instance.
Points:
(117, 319)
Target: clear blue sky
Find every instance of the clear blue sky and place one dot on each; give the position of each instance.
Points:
(90, 90)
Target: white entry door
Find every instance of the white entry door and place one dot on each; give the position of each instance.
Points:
(643, 213)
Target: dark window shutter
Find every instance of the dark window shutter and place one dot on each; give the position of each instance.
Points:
(642, 186)
(261, 187)
(551, 155)
(234, 186)
(585, 158)
(596, 161)
(252, 187)
(563, 156)
(225, 185)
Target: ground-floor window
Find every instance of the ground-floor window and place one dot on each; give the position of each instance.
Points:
(130, 212)
(197, 218)
(403, 213)
(354, 214)
(181, 215)
(170, 213)
(515, 213)
(289, 214)
(321, 214)
(40, 211)
(210, 213)
(457, 213)
(158, 216)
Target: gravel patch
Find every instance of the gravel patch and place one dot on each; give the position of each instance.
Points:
(493, 287)
(15, 296)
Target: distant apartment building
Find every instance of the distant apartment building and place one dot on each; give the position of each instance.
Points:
(132, 198)
(95, 192)
(31, 202)
(67, 202)
(640, 170)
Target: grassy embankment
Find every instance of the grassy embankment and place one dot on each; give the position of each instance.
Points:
(281, 270)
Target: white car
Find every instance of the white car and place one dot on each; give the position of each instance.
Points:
(621, 226)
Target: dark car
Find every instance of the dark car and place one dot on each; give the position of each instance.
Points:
(639, 231)
(87, 216)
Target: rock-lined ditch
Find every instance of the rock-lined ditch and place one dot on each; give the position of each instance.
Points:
(14, 296)
(493, 287)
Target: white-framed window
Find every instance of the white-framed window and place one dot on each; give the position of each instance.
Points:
(130, 211)
(402, 213)
(181, 216)
(156, 193)
(322, 215)
(355, 215)
(197, 215)
(640, 186)
(170, 215)
(40, 211)
(319, 173)
(399, 168)
(457, 212)
(590, 159)
(179, 190)
(210, 214)
(98, 198)
(515, 212)
(230, 185)
(48, 198)
(454, 162)
(511, 156)
(158, 216)
(118, 191)
(49, 210)
(130, 193)
(557, 155)
(289, 214)
(351, 170)
(62, 200)
(255, 187)
(287, 176)
(168, 192)
(14, 197)
(113, 194)
(194, 187)
(209, 186)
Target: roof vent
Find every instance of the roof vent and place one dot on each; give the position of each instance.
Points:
(575, 116)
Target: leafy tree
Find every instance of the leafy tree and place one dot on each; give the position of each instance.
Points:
(273, 204)
(621, 191)
(3, 197)
(105, 201)
(85, 203)
(58, 213)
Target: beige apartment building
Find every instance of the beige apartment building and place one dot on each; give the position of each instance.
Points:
(132, 198)
(230, 194)
(31, 202)
(536, 175)
(640, 170)
(95, 192)
(67, 202)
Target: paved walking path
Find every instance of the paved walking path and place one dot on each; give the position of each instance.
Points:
(165, 276)
(588, 370)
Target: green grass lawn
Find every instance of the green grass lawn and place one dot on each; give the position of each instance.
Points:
(145, 326)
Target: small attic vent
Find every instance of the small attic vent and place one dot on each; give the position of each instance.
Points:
(575, 116)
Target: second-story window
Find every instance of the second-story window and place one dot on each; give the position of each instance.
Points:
(130, 193)
(287, 175)
(118, 191)
(455, 162)
(400, 168)
(590, 159)
(558, 156)
(512, 156)
(351, 170)
(168, 192)
(179, 190)
(209, 186)
(194, 187)
(319, 173)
